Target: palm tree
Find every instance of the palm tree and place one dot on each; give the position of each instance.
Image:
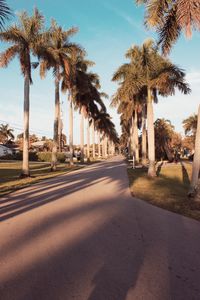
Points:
(5, 13)
(56, 52)
(170, 18)
(6, 133)
(164, 132)
(24, 37)
(190, 125)
(147, 75)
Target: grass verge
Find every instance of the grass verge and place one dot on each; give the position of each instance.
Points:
(168, 190)
(9, 174)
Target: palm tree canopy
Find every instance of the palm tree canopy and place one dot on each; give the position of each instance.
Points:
(5, 13)
(146, 69)
(24, 37)
(170, 18)
(58, 52)
(6, 133)
(190, 125)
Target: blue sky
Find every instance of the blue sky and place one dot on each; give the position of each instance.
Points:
(106, 30)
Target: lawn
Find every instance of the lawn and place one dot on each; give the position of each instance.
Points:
(10, 171)
(168, 190)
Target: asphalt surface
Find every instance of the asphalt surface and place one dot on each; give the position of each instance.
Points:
(82, 236)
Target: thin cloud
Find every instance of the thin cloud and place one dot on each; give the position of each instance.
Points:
(125, 17)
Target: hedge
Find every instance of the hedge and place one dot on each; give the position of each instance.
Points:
(36, 156)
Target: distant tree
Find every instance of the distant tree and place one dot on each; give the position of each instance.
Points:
(190, 125)
(6, 134)
(188, 142)
(33, 138)
(164, 132)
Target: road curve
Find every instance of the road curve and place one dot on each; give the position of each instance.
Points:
(82, 236)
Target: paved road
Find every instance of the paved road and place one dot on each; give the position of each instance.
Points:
(82, 236)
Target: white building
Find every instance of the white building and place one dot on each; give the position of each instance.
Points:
(5, 150)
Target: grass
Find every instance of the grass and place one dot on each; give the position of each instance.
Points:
(10, 171)
(168, 190)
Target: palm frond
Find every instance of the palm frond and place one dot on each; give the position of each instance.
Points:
(5, 13)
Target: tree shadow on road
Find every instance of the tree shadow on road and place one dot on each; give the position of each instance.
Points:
(56, 188)
(111, 248)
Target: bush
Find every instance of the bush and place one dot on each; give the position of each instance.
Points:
(46, 156)
(19, 156)
(36, 156)
(8, 157)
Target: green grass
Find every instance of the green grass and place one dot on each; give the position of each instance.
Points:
(168, 190)
(10, 171)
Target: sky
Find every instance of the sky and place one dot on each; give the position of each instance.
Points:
(106, 30)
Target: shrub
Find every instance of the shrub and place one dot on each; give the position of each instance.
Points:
(19, 156)
(46, 156)
(8, 157)
(36, 156)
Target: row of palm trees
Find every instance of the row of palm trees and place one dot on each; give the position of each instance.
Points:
(146, 75)
(170, 19)
(53, 50)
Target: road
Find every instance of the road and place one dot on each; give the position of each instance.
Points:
(82, 236)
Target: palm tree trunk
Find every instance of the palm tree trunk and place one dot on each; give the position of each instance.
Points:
(196, 163)
(99, 145)
(151, 135)
(25, 165)
(106, 147)
(82, 136)
(136, 140)
(144, 139)
(56, 120)
(59, 130)
(71, 150)
(88, 139)
(93, 140)
(133, 141)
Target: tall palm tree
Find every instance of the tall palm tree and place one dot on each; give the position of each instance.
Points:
(147, 75)
(24, 37)
(5, 13)
(56, 53)
(170, 18)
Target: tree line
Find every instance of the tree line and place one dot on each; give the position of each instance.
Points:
(53, 50)
(150, 73)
